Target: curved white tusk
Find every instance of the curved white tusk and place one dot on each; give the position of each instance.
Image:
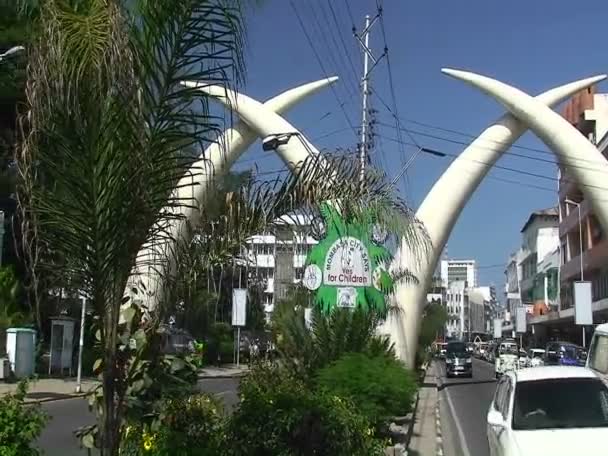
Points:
(444, 203)
(582, 160)
(194, 186)
(263, 121)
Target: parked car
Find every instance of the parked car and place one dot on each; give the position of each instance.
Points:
(457, 360)
(442, 349)
(506, 357)
(563, 354)
(523, 359)
(557, 411)
(535, 357)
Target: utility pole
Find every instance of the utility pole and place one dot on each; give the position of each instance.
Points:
(365, 88)
(368, 56)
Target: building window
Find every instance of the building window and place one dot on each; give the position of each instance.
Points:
(264, 249)
(299, 273)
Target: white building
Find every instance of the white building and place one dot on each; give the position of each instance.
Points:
(458, 271)
(540, 239)
(457, 306)
(279, 257)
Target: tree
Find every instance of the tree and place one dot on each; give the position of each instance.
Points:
(105, 127)
(433, 320)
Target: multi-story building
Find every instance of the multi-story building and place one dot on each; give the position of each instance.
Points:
(279, 257)
(512, 280)
(458, 271)
(457, 306)
(540, 240)
(579, 230)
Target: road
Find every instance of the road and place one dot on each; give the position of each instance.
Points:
(67, 415)
(464, 404)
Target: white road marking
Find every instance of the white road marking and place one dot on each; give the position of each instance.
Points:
(459, 431)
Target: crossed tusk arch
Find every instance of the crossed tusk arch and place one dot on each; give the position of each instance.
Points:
(442, 206)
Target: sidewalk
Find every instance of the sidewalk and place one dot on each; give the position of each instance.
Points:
(53, 389)
(50, 389)
(424, 436)
(225, 371)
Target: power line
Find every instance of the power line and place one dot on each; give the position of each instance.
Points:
(506, 168)
(335, 19)
(348, 82)
(350, 124)
(390, 77)
(514, 154)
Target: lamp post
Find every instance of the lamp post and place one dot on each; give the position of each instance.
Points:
(12, 51)
(81, 344)
(580, 241)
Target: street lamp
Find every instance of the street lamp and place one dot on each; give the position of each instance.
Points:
(12, 51)
(407, 164)
(580, 240)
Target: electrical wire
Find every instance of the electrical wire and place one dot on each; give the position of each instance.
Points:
(513, 154)
(340, 104)
(506, 168)
(338, 28)
(392, 88)
(349, 86)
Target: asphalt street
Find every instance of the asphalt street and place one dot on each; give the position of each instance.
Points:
(67, 415)
(464, 405)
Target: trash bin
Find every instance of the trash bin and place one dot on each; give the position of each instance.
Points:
(21, 349)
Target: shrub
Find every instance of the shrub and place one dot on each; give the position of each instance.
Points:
(190, 426)
(279, 416)
(379, 387)
(344, 331)
(20, 425)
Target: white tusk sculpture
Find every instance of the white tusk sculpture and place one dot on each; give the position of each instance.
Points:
(264, 122)
(193, 188)
(443, 205)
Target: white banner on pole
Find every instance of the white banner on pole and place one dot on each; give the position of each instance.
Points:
(239, 306)
(497, 328)
(520, 321)
(583, 312)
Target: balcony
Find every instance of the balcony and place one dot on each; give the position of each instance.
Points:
(570, 222)
(594, 258)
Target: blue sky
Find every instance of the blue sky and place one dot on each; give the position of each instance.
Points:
(534, 45)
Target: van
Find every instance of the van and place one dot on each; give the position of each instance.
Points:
(458, 360)
(597, 359)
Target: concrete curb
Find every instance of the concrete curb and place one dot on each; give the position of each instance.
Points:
(438, 432)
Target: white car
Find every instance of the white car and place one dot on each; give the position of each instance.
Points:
(549, 410)
(535, 357)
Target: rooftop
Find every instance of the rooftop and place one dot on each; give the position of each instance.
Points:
(552, 372)
(551, 212)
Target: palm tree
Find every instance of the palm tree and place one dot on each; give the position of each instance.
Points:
(104, 131)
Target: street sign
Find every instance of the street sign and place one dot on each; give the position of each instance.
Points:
(583, 312)
(497, 328)
(239, 306)
(520, 321)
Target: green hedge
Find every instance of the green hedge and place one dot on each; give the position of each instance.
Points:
(380, 387)
(280, 416)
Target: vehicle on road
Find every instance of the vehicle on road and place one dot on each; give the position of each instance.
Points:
(523, 359)
(458, 360)
(597, 358)
(442, 348)
(563, 354)
(481, 350)
(506, 357)
(535, 357)
(550, 410)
